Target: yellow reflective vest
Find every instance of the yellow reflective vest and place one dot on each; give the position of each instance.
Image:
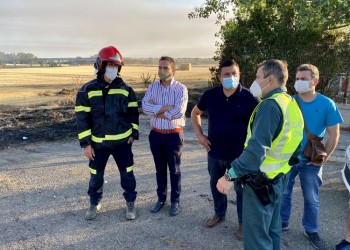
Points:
(287, 141)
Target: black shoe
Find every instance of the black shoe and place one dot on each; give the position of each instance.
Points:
(157, 207)
(285, 226)
(174, 209)
(315, 240)
(343, 245)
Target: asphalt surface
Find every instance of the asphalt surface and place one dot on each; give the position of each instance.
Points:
(43, 202)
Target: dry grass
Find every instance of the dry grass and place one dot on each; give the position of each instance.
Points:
(35, 86)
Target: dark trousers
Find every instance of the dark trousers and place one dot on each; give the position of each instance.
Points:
(217, 169)
(123, 157)
(262, 224)
(166, 150)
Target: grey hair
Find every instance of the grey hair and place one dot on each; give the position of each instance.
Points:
(275, 67)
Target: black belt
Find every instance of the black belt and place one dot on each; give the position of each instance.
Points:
(276, 179)
(273, 181)
(262, 185)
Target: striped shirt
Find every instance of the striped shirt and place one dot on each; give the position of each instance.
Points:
(175, 94)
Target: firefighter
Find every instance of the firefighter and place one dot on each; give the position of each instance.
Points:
(107, 120)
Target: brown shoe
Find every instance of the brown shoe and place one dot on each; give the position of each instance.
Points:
(239, 233)
(213, 221)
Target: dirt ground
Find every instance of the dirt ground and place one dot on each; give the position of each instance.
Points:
(44, 178)
(43, 201)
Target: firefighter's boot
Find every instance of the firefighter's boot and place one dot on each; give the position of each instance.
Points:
(130, 211)
(92, 212)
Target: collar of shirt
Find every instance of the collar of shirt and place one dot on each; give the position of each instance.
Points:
(274, 91)
(171, 83)
(236, 93)
(115, 83)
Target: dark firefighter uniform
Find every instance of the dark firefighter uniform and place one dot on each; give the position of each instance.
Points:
(107, 115)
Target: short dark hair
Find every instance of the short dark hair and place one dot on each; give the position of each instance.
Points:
(102, 71)
(168, 59)
(227, 63)
(277, 68)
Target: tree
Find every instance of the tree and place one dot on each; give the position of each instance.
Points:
(296, 31)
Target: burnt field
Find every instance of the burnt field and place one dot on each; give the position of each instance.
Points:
(37, 104)
(51, 123)
(30, 125)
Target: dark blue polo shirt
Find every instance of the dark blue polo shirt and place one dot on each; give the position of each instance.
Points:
(227, 120)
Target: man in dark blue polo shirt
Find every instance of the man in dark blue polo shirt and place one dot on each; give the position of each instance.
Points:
(229, 107)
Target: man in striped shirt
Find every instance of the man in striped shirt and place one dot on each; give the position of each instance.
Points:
(165, 102)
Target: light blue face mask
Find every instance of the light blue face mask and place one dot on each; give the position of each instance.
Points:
(230, 82)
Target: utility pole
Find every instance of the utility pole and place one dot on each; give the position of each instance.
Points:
(347, 83)
(346, 92)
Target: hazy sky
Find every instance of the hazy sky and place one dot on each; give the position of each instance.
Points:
(138, 28)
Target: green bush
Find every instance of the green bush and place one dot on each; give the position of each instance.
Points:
(147, 79)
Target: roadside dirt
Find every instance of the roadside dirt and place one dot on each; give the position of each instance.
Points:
(43, 193)
(43, 201)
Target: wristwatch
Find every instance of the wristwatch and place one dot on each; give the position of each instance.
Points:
(228, 177)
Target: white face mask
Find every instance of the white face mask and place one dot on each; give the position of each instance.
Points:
(111, 73)
(302, 86)
(255, 89)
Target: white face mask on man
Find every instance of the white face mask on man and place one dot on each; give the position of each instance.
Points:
(256, 90)
(111, 73)
(302, 86)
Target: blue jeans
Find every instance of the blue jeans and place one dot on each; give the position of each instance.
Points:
(310, 181)
(217, 169)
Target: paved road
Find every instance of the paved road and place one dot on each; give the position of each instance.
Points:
(43, 201)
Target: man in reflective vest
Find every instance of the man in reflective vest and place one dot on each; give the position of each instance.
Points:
(107, 119)
(275, 131)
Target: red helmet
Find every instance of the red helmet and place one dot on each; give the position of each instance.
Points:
(108, 54)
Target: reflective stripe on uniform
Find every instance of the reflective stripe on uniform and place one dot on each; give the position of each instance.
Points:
(135, 126)
(132, 105)
(118, 92)
(286, 142)
(129, 169)
(93, 171)
(112, 137)
(82, 109)
(84, 134)
(95, 93)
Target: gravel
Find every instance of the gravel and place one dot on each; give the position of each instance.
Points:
(43, 201)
